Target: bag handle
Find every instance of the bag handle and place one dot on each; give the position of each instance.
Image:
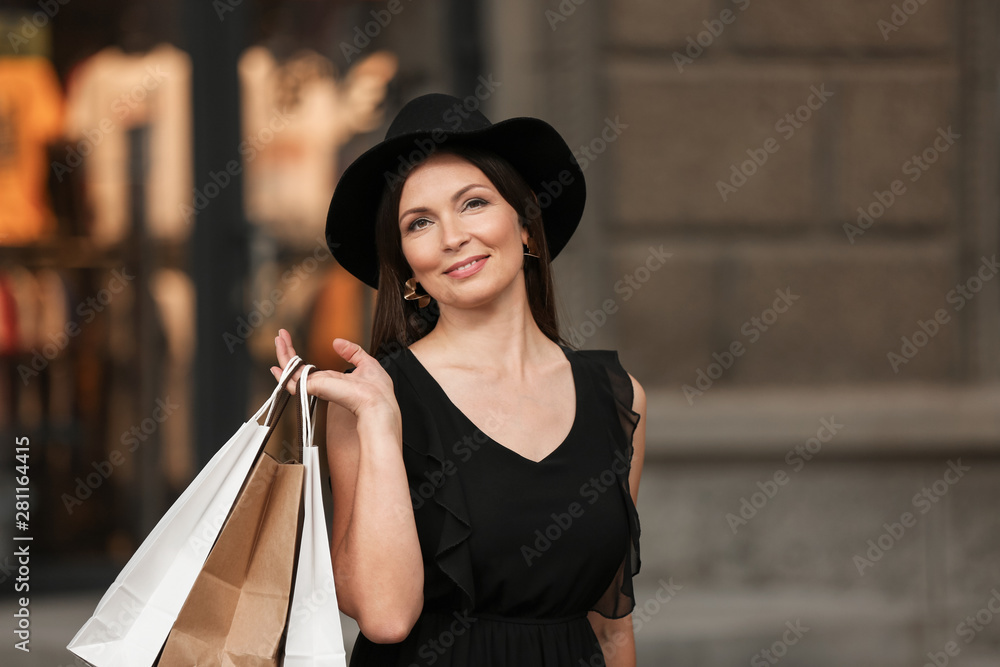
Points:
(307, 408)
(279, 397)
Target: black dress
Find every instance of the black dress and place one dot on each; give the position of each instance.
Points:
(516, 552)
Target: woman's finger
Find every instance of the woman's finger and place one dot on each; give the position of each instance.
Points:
(285, 352)
(283, 344)
(287, 340)
(330, 386)
(350, 351)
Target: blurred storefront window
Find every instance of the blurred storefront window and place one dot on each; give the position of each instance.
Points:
(99, 201)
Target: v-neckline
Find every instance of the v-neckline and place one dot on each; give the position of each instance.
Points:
(572, 429)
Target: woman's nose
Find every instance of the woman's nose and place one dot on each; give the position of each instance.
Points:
(453, 233)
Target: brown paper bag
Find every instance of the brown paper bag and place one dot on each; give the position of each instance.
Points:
(236, 612)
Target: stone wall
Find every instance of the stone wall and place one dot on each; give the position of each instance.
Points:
(749, 133)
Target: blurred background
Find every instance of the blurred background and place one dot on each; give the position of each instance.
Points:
(790, 237)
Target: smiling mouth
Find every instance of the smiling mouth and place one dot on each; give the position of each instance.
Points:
(467, 266)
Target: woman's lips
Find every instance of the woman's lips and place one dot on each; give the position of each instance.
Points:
(464, 273)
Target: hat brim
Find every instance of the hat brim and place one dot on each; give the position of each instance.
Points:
(532, 146)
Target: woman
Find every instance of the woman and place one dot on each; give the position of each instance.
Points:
(449, 547)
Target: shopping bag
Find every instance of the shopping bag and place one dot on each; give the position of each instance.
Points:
(315, 637)
(135, 615)
(236, 611)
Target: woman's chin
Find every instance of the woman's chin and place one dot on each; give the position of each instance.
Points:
(474, 297)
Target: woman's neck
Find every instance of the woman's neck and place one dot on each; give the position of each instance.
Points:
(502, 336)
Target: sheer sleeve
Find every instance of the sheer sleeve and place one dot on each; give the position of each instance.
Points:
(615, 386)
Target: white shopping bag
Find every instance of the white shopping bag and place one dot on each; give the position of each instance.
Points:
(315, 637)
(134, 617)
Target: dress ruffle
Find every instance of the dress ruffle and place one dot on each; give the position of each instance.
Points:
(452, 554)
(614, 384)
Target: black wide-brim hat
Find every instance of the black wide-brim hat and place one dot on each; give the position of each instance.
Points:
(532, 146)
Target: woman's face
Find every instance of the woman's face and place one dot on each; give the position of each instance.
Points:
(450, 213)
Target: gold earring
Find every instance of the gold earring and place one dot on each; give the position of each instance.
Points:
(529, 249)
(411, 293)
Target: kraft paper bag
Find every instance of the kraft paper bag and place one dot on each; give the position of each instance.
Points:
(135, 615)
(236, 612)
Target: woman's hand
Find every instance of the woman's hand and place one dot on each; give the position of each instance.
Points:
(365, 391)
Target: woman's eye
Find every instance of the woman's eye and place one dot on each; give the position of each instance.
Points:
(472, 203)
(413, 225)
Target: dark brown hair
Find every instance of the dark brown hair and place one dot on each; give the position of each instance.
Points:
(398, 322)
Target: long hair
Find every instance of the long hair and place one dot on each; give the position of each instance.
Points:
(397, 322)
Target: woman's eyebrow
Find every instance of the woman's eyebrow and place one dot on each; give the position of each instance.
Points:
(454, 197)
(461, 192)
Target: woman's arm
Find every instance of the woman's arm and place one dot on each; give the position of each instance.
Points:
(616, 635)
(616, 638)
(376, 553)
(378, 567)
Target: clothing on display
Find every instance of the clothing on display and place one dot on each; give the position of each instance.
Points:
(45, 352)
(31, 116)
(28, 303)
(10, 334)
(296, 116)
(108, 94)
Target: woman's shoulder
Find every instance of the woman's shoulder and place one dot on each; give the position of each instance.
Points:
(607, 365)
(607, 360)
